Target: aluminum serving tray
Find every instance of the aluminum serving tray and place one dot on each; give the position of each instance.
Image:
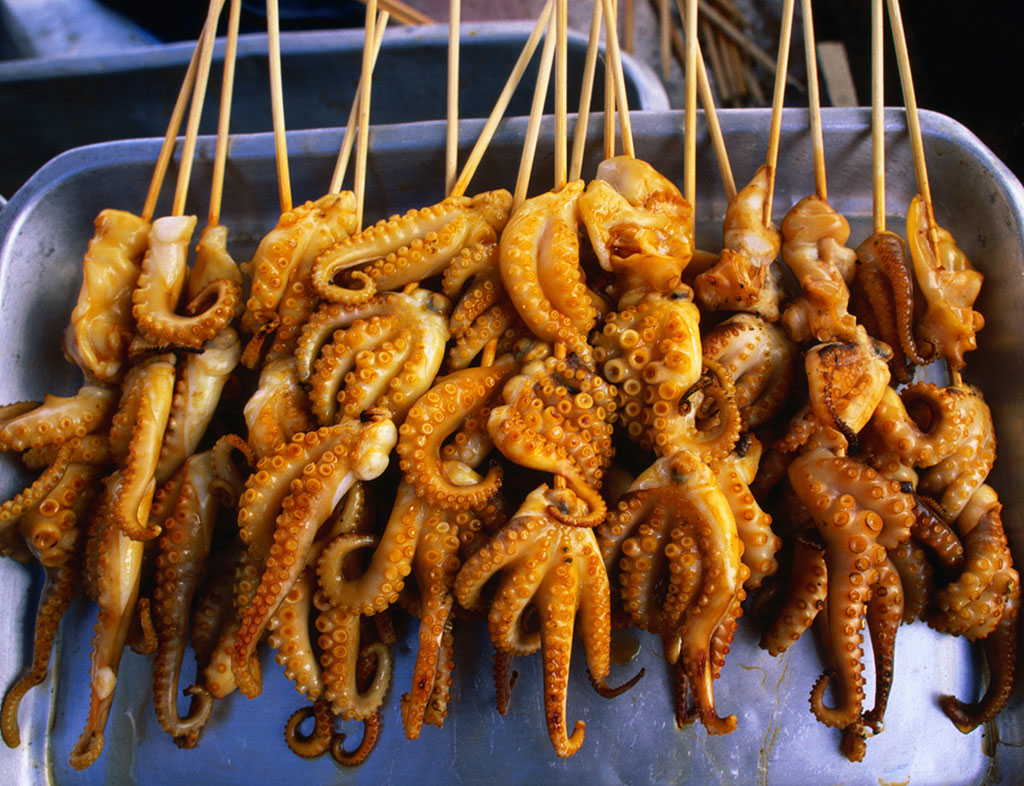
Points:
(49, 105)
(632, 739)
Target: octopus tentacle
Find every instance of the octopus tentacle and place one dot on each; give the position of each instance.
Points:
(184, 547)
(29, 425)
(355, 451)
(101, 323)
(290, 636)
(505, 678)
(278, 409)
(316, 743)
(196, 395)
(60, 589)
(761, 360)
(339, 651)
(11, 510)
(437, 707)
(541, 271)
(922, 426)
(433, 419)
(499, 323)
(916, 578)
(885, 613)
(417, 245)
(119, 562)
(931, 530)
(300, 235)
(160, 284)
(149, 392)
(806, 597)
(1000, 647)
(371, 733)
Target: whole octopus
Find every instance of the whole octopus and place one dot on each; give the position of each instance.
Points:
(436, 405)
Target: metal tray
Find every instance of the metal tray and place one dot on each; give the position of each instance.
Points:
(49, 105)
(632, 739)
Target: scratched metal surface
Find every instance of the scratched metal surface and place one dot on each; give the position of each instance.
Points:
(632, 739)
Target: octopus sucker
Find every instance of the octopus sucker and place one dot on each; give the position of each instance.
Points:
(102, 325)
(414, 246)
(541, 271)
(28, 425)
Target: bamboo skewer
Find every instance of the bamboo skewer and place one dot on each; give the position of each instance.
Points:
(362, 148)
(196, 109)
(561, 87)
(475, 156)
(780, 93)
(284, 185)
(690, 132)
(814, 101)
(913, 122)
(224, 117)
(609, 91)
(451, 148)
(348, 140)
(579, 139)
(629, 25)
(745, 43)
(878, 114)
(540, 93)
(665, 26)
(710, 112)
(403, 13)
(615, 57)
(167, 149)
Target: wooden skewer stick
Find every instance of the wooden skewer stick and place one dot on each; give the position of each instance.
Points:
(579, 139)
(362, 148)
(284, 183)
(690, 124)
(349, 139)
(878, 114)
(403, 13)
(710, 112)
(780, 93)
(814, 101)
(561, 88)
(611, 33)
(224, 118)
(745, 43)
(629, 27)
(195, 113)
(714, 57)
(609, 92)
(451, 147)
(540, 93)
(167, 149)
(665, 27)
(475, 156)
(913, 122)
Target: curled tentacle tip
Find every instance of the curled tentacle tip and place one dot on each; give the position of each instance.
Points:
(603, 689)
(958, 713)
